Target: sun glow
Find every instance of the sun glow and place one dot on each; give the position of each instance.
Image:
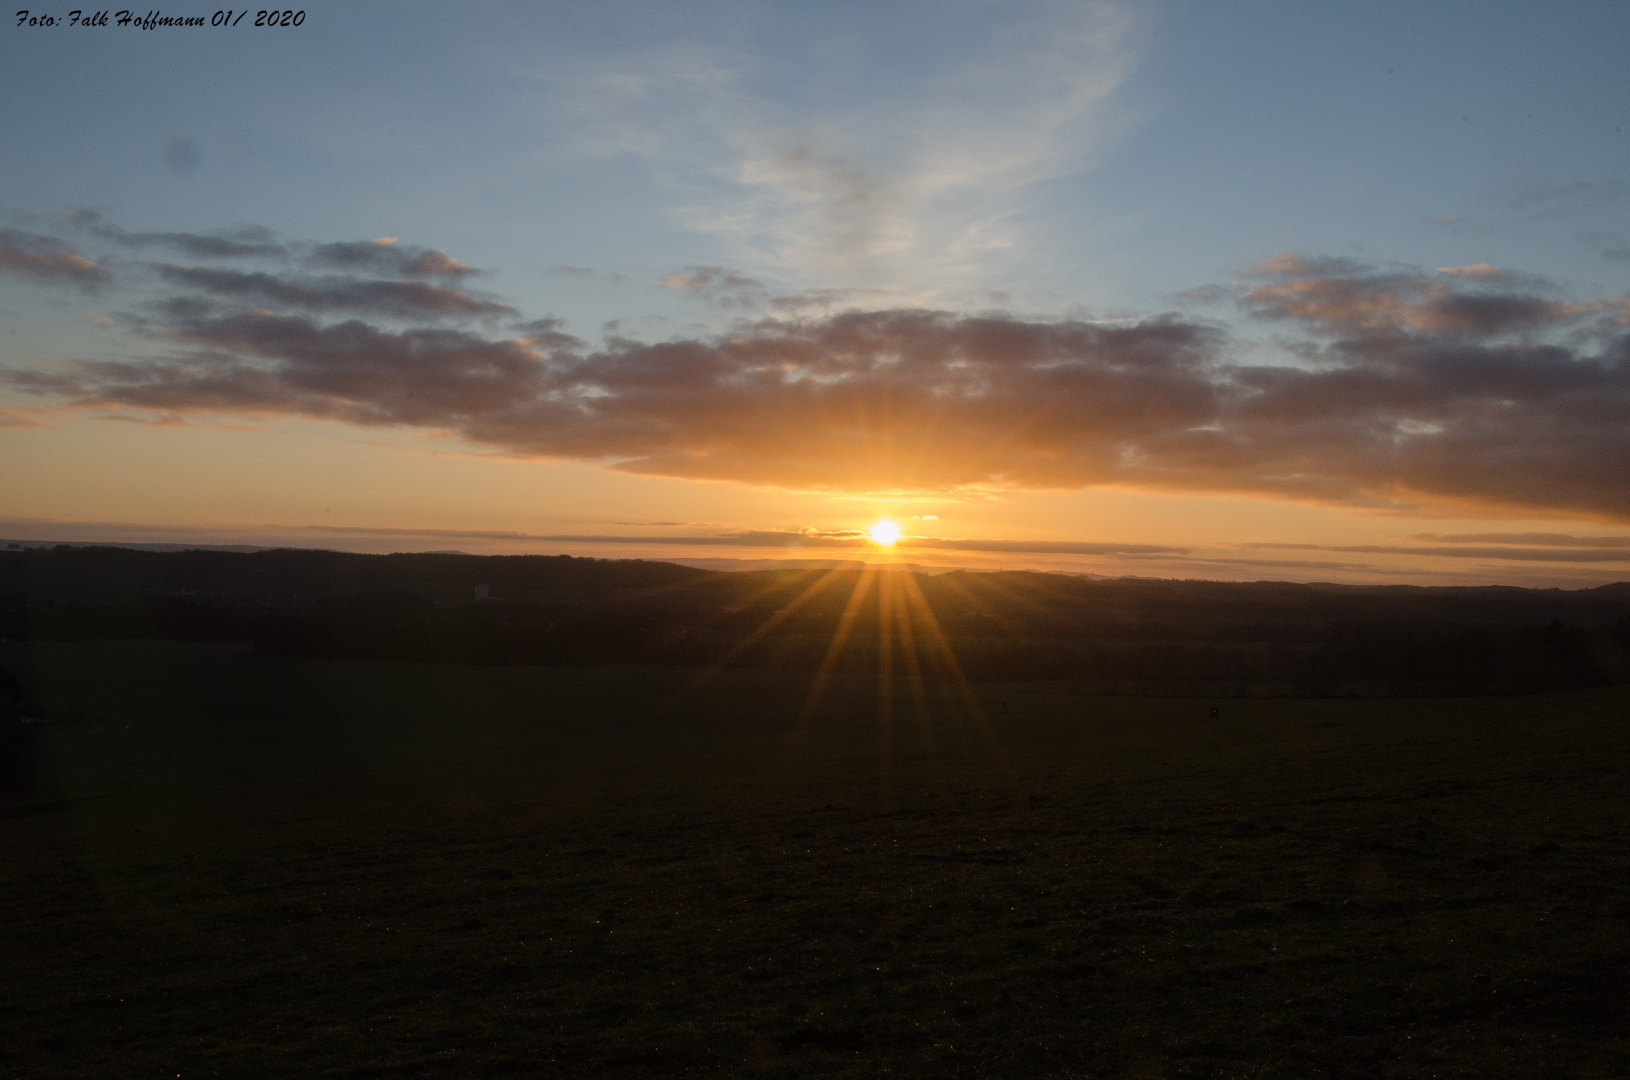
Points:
(884, 533)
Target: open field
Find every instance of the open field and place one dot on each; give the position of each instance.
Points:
(242, 865)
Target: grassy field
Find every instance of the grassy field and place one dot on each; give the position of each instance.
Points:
(245, 866)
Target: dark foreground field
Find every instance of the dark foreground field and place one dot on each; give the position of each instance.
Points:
(239, 865)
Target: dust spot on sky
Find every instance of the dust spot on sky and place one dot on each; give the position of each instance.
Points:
(180, 154)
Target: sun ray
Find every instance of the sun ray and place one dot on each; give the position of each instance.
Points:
(913, 660)
(885, 673)
(846, 622)
(970, 699)
(991, 583)
(744, 644)
(773, 584)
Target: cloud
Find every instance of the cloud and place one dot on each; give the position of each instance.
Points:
(47, 259)
(1206, 294)
(402, 299)
(843, 538)
(541, 332)
(1284, 564)
(261, 362)
(718, 285)
(1571, 197)
(1481, 271)
(816, 302)
(1552, 539)
(731, 290)
(386, 256)
(250, 242)
(1339, 296)
(1294, 264)
(24, 418)
(1517, 554)
(1034, 547)
(1432, 391)
(916, 189)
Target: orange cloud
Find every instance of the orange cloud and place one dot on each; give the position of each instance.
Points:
(47, 259)
(1481, 271)
(24, 418)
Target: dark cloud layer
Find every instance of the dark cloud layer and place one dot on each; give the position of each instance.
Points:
(1512, 554)
(758, 538)
(1467, 385)
(251, 242)
(1550, 539)
(398, 299)
(47, 259)
(1338, 296)
(386, 256)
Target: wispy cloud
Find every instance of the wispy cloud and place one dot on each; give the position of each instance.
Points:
(851, 539)
(398, 299)
(25, 417)
(1480, 271)
(1571, 554)
(383, 256)
(916, 192)
(1563, 199)
(250, 242)
(1548, 539)
(719, 285)
(386, 256)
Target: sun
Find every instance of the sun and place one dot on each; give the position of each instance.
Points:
(884, 533)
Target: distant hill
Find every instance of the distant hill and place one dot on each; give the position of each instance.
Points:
(110, 573)
(46, 545)
(1123, 635)
(731, 566)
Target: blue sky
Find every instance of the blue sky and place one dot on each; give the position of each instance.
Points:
(662, 172)
(525, 136)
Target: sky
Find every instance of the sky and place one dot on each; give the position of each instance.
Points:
(1241, 292)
